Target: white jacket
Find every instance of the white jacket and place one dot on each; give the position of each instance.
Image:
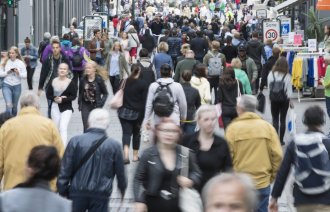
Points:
(203, 87)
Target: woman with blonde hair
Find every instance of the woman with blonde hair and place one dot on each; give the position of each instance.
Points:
(162, 58)
(117, 66)
(184, 48)
(92, 91)
(14, 70)
(241, 75)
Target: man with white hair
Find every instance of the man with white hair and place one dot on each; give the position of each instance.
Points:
(255, 147)
(89, 165)
(229, 192)
(19, 135)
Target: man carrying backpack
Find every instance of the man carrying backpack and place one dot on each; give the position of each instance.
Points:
(166, 98)
(309, 154)
(148, 71)
(216, 63)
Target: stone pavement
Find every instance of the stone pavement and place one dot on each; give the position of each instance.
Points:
(114, 131)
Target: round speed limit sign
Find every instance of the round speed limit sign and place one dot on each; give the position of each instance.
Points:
(271, 34)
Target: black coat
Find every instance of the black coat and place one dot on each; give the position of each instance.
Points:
(199, 46)
(193, 100)
(70, 92)
(266, 69)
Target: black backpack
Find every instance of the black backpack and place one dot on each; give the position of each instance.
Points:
(163, 103)
(147, 74)
(277, 91)
(77, 59)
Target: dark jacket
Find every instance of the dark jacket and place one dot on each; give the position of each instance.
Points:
(150, 170)
(218, 157)
(174, 46)
(193, 100)
(92, 48)
(199, 46)
(95, 177)
(227, 97)
(70, 93)
(282, 176)
(148, 43)
(255, 50)
(101, 92)
(230, 52)
(265, 71)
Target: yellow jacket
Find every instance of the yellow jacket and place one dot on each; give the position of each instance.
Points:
(17, 137)
(255, 148)
(297, 72)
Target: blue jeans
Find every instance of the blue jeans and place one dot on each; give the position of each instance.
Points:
(189, 128)
(327, 103)
(92, 204)
(263, 195)
(11, 95)
(99, 61)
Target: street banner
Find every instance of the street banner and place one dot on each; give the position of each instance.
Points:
(91, 23)
(271, 29)
(262, 13)
(323, 5)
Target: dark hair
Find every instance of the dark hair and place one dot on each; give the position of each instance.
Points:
(199, 34)
(45, 162)
(144, 52)
(199, 70)
(95, 31)
(229, 40)
(228, 77)
(27, 40)
(76, 42)
(4, 117)
(135, 69)
(281, 65)
(147, 33)
(276, 52)
(174, 32)
(56, 42)
(255, 34)
(66, 37)
(314, 117)
(165, 70)
(186, 75)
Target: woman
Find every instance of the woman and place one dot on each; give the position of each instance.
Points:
(43, 165)
(327, 38)
(193, 103)
(107, 43)
(148, 41)
(313, 119)
(92, 91)
(131, 114)
(66, 46)
(200, 82)
(229, 89)
(61, 93)
(212, 151)
(184, 48)
(279, 107)
(157, 180)
(162, 58)
(125, 46)
(14, 70)
(134, 43)
(116, 66)
(78, 60)
(30, 55)
(241, 75)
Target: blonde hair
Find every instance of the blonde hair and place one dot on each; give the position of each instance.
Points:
(236, 63)
(215, 45)
(17, 57)
(99, 70)
(204, 108)
(163, 47)
(117, 43)
(184, 48)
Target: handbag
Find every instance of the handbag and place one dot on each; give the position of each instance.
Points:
(261, 102)
(292, 128)
(117, 100)
(189, 198)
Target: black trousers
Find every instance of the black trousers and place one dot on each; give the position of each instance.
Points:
(86, 108)
(214, 84)
(279, 111)
(77, 76)
(131, 127)
(115, 83)
(30, 73)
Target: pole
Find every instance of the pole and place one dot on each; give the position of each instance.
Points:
(117, 2)
(133, 8)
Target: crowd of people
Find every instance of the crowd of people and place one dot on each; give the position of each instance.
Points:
(177, 79)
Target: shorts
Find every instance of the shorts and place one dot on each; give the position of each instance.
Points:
(133, 52)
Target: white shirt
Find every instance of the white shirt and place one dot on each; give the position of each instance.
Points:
(10, 77)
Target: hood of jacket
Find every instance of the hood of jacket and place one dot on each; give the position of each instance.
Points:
(247, 116)
(66, 43)
(198, 81)
(165, 81)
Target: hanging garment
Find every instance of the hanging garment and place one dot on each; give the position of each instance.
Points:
(321, 67)
(297, 71)
(316, 73)
(310, 75)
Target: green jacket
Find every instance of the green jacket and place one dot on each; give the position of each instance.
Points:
(243, 78)
(326, 82)
(251, 68)
(185, 64)
(123, 66)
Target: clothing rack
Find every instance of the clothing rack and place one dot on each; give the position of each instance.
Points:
(289, 48)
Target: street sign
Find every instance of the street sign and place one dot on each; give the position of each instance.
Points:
(285, 26)
(262, 13)
(105, 18)
(271, 29)
(91, 23)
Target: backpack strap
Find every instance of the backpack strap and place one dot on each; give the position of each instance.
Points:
(273, 76)
(283, 77)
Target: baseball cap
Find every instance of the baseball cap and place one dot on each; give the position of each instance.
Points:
(241, 48)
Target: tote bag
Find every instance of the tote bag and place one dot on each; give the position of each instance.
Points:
(117, 100)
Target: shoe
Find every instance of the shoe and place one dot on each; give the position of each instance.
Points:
(126, 161)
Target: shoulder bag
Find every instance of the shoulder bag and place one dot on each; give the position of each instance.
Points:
(117, 100)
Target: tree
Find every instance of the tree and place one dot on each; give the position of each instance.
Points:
(315, 24)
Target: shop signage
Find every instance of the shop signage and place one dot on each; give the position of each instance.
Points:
(271, 29)
(297, 39)
(285, 26)
(312, 45)
(262, 13)
(323, 5)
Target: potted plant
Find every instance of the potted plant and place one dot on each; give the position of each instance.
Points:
(315, 24)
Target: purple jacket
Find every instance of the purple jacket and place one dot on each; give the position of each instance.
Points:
(48, 51)
(81, 53)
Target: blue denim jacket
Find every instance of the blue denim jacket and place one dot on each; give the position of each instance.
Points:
(34, 53)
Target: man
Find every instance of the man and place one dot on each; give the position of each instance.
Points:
(157, 27)
(148, 70)
(43, 44)
(255, 147)
(96, 47)
(229, 192)
(186, 64)
(255, 50)
(91, 185)
(30, 55)
(268, 67)
(200, 46)
(49, 69)
(179, 99)
(73, 34)
(19, 135)
(248, 65)
(174, 46)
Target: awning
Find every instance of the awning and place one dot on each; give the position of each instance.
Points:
(287, 5)
(323, 5)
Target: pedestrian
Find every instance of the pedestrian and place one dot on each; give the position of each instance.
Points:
(326, 83)
(158, 173)
(148, 71)
(13, 72)
(257, 150)
(92, 91)
(73, 34)
(212, 151)
(34, 194)
(311, 179)
(200, 82)
(174, 44)
(90, 185)
(42, 45)
(19, 135)
(177, 105)
(241, 76)
(96, 47)
(230, 192)
(107, 44)
(148, 42)
(280, 91)
(132, 112)
(229, 51)
(124, 42)
(61, 92)
(193, 103)
(268, 66)
(162, 57)
(66, 45)
(49, 49)
(248, 65)
(200, 46)
(134, 43)
(184, 48)
(186, 64)
(30, 55)
(116, 66)
(115, 21)
(49, 70)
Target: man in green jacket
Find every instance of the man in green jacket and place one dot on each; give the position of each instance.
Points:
(185, 64)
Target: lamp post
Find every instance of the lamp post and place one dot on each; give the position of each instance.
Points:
(133, 9)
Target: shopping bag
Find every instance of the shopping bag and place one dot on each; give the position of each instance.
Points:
(261, 102)
(219, 114)
(292, 128)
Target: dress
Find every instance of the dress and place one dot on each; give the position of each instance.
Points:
(124, 44)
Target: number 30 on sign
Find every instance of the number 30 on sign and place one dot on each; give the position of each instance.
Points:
(271, 30)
